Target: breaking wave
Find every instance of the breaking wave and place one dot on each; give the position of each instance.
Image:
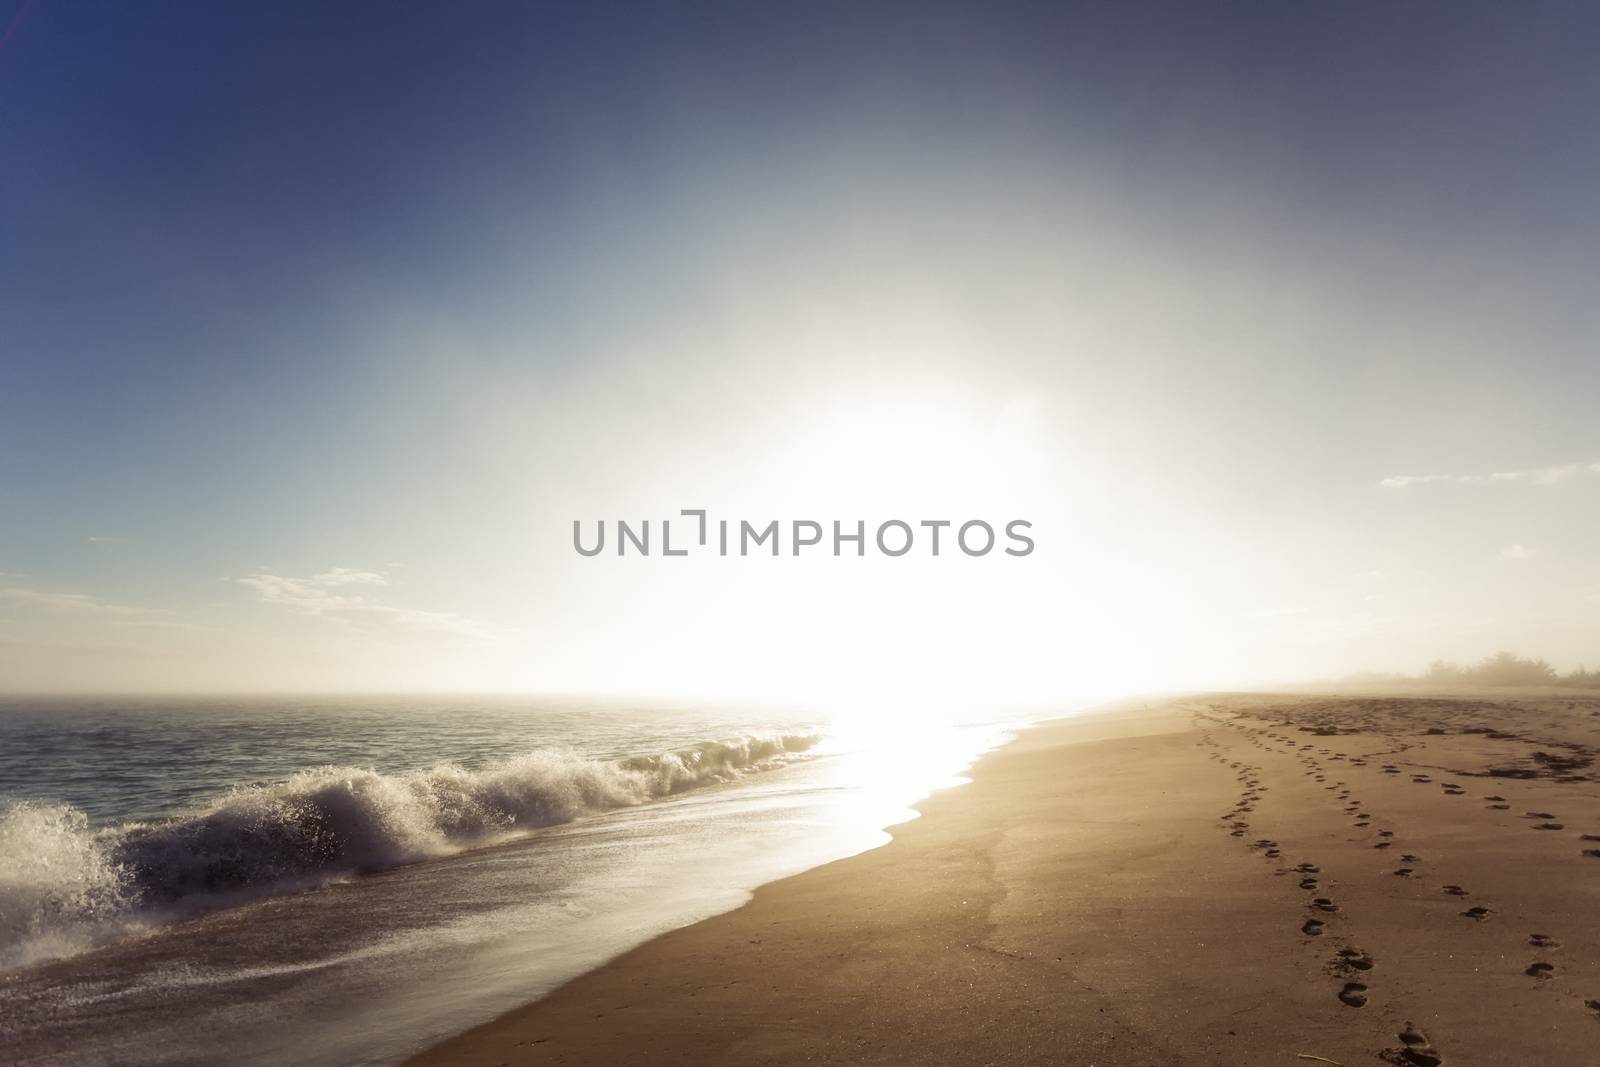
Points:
(65, 887)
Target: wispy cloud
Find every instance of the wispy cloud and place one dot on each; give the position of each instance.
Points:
(69, 603)
(1517, 551)
(330, 595)
(1564, 472)
(93, 609)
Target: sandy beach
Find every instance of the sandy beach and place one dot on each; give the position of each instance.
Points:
(1218, 879)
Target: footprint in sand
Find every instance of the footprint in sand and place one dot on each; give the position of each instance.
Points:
(1383, 844)
(1324, 904)
(1404, 872)
(1498, 807)
(1312, 927)
(1354, 994)
(1543, 941)
(1538, 815)
(1410, 858)
(1593, 853)
(1478, 913)
(1354, 957)
(1454, 890)
(1549, 826)
(1415, 1050)
(1494, 798)
(1541, 970)
(1308, 868)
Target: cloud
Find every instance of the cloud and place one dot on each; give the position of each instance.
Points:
(1516, 551)
(84, 607)
(346, 576)
(1533, 476)
(328, 595)
(69, 603)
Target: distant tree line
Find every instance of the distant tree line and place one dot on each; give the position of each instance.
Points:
(1505, 668)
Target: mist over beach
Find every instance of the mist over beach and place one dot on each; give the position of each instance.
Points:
(933, 533)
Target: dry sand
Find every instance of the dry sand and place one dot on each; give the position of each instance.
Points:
(1234, 880)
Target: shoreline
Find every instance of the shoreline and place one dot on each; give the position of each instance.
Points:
(1100, 893)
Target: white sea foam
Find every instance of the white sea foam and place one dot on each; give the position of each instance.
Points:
(65, 886)
(59, 884)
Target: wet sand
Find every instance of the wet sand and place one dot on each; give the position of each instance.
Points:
(1237, 879)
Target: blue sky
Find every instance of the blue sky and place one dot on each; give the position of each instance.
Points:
(296, 291)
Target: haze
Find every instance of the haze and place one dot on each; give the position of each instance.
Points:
(320, 326)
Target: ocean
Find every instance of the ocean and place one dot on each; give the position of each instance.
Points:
(347, 880)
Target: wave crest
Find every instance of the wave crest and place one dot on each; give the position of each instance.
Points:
(64, 885)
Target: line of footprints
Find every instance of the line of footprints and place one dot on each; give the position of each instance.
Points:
(1349, 962)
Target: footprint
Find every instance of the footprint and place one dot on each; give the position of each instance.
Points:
(1498, 807)
(1404, 872)
(1455, 890)
(1312, 928)
(1324, 904)
(1308, 883)
(1308, 868)
(1538, 815)
(1541, 970)
(1383, 844)
(1478, 912)
(1409, 858)
(1494, 798)
(1354, 957)
(1354, 994)
(1543, 941)
(1415, 1050)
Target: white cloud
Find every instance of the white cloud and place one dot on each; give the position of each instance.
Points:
(346, 576)
(69, 603)
(83, 607)
(1516, 551)
(1533, 476)
(327, 595)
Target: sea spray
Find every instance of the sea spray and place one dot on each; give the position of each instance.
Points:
(60, 887)
(65, 886)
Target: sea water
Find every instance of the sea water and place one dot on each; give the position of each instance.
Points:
(347, 880)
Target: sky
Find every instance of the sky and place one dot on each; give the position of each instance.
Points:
(321, 324)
